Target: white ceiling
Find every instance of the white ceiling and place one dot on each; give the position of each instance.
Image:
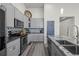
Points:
(65, 4)
(41, 5)
(34, 5)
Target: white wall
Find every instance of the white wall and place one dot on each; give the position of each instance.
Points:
(37, 12)
(52, 12)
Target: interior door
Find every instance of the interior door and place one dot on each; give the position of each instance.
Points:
(50, 27)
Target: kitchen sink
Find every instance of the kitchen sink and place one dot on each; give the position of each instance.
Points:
(72, 49)
(64, 42)
(69, 46)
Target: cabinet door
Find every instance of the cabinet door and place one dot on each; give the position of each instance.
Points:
(22, 19)
(25, 22)
(53, 49)
(9, 14)
(13, 48)
(18, 14)
(58, 51)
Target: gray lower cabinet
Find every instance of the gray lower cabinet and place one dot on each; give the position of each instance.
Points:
(58, 52)
(54, 50)
(13, 48)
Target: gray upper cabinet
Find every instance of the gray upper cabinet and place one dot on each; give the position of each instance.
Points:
(9, 14)
(22, 16)
(25, 22)
(18, 14)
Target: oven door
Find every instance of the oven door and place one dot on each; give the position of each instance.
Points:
(2, 43)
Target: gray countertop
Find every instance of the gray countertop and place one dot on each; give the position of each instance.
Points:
(64, 50)
(9, 39)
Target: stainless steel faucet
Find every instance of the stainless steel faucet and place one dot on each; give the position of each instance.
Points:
(77, 36)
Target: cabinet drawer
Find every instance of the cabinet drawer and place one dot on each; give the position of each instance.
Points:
(13, 48)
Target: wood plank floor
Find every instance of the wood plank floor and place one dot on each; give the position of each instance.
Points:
(38, 49)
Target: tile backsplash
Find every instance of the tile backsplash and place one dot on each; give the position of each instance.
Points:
(12, 29)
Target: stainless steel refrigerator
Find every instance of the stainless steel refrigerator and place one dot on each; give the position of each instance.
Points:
(2, 31)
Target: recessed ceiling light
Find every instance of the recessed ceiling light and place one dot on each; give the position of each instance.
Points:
(61, 10)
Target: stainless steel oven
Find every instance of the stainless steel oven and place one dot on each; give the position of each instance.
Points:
(2, 43)
(23, 44)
